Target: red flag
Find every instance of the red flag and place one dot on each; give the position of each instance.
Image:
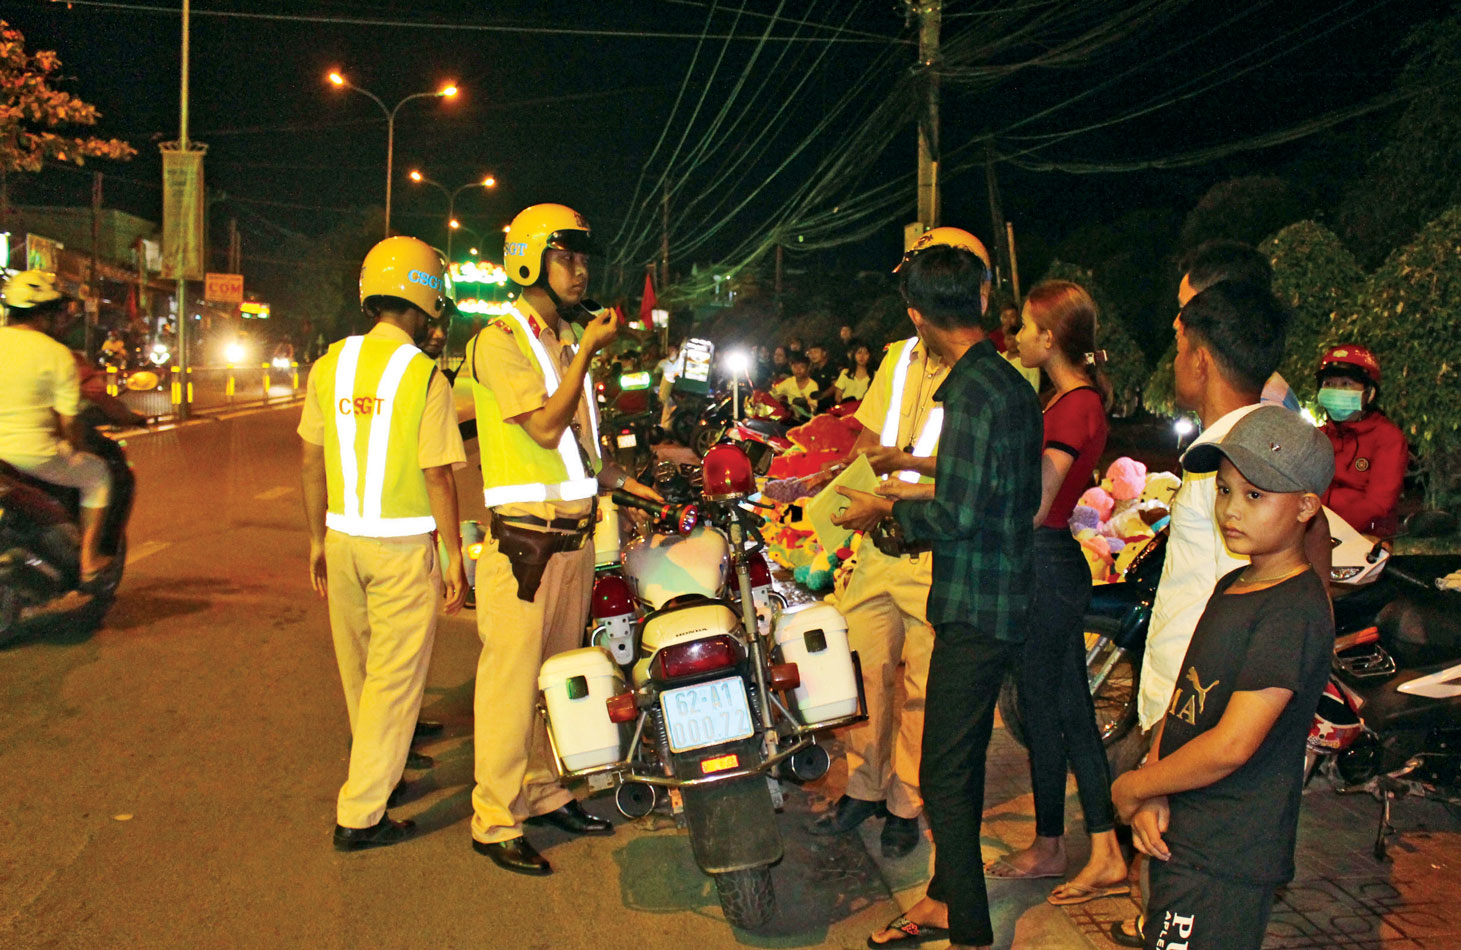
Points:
(646, 306)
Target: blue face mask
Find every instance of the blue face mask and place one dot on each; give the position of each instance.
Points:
(1341, 405)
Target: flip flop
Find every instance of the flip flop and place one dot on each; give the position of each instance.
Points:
(913, 934)
(1120, 936)
(1002, 870)
(1080, 894)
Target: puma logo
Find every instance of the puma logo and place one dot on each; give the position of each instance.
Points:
(1196, 703)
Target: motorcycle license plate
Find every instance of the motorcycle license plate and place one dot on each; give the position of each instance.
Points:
(706, 714)
(628, 441)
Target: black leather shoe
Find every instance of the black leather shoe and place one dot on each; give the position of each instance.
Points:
(398, 794)
(415, 760)
(426, 729)
(900, 836)
(846, 815)
(382, 833)
(574, 820)
(516, 855)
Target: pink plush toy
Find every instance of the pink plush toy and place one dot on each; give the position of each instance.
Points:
(1100, 500)
(1127, 477)
(1084, 517)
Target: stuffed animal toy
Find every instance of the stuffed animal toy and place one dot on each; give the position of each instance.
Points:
(1084, 517)
(1099, 499)
(1127, 478)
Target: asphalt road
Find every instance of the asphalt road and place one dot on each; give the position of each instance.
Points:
(169, 778)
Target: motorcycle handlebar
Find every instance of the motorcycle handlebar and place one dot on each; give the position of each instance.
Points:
(684, 517)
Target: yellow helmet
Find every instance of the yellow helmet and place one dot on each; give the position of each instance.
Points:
(410, 269)
(535, 230)
(945, 237)
(30, 289)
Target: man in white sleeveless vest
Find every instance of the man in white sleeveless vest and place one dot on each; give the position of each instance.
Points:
(537, 428)
(380, 443)
(885, 599)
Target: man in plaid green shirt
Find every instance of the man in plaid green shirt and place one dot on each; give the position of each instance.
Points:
(986, 493)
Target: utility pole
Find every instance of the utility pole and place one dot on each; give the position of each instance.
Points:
(930, 16)
(664, 238)
(93, 302)
(183, 363)
(996, 219)
(235, 256)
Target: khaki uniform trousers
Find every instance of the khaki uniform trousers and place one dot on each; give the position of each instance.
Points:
(383, 596)
(885, 604)
(516, 778)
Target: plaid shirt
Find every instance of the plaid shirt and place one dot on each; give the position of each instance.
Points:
(987, 490)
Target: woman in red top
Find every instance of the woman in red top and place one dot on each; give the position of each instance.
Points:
(1058, 334)
(1370, 453)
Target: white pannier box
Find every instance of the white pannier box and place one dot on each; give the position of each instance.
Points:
(814, 637)
(575, 686)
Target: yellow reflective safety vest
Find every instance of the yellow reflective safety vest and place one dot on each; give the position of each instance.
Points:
(896, 363)
(372, 395)
(515, 468)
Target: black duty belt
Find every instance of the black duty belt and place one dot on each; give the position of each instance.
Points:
(555, 524)
(528, 552)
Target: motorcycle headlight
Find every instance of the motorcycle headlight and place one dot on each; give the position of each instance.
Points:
(1342, 574)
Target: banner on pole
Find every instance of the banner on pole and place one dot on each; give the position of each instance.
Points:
(223, 288)
(182, 214)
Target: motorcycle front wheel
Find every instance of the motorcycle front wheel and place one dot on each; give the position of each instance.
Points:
(747, 897)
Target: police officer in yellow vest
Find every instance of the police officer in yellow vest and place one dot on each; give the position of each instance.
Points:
(885, 599)
(537, 428)
(380, 443)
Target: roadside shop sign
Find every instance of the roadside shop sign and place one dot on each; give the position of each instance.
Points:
(223, 288)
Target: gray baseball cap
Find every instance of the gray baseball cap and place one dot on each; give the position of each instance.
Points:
(1276, 449)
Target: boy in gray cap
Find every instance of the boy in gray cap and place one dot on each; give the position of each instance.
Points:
(1217, 803)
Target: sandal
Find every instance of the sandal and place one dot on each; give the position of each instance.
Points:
(1002, 870)
(1120, 936)
(912, 933)
(1079, 893)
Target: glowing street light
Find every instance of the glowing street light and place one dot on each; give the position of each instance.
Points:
(446, 92)
(487, 181)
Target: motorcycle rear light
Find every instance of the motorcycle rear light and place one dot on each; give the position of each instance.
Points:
(760, 571)
(784, 676)
(719, 764)
(699, 656)
(622, 708)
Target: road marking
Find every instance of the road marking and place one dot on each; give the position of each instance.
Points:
(277, 492)
(145, 549)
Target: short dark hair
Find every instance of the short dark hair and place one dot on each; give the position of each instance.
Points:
(1243, 326)
(944, 284)
(1213, 261)
(797, 356)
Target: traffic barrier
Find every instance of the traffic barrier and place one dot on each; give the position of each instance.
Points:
(294, 368)
(176, 387)
(111, 380)
(266, 381)
(190, 385)
(228, 387)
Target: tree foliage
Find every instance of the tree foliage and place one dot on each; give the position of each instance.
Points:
(1240, 209)
(1126, 366)
(1412, 178)
(1408, 313)
(1315, 276)
(33, 112)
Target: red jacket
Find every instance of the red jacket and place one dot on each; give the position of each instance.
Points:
(1370, 456)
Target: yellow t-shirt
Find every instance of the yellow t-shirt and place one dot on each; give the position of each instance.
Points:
(789, 389)
(38, 381)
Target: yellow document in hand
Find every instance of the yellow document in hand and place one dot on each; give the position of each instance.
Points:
(830, 502)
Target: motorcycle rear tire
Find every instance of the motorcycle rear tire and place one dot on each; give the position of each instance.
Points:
(1115, 701)
(747, 897)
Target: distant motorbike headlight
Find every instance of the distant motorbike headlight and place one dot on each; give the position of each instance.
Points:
(159, 354)
(234, 353)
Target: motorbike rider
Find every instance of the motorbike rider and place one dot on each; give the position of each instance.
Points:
(886, 598)
(1370, 452)
(114, 349)
(537, 430)
(39, 401)
(380, 442)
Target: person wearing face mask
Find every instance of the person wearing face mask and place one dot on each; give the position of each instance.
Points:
(1370, 453)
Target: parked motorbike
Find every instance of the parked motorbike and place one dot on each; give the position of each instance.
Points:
(1117, 619)
(701, 690)
(40, 552)
(1390, 725)
(762, 422)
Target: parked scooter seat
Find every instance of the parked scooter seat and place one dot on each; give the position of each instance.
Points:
(46, 503)
(1422, 628)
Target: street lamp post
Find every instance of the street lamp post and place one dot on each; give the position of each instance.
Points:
(452, 224)
(446, 92)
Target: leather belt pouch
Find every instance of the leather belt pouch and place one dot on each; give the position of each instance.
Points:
(528, 552)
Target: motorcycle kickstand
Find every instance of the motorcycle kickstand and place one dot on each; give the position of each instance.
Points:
(1385, 829)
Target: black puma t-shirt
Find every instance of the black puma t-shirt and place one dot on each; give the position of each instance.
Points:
(1243, 827)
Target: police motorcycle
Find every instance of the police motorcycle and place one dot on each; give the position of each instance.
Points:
(1119, 614)
(701, 691)
(40, 541)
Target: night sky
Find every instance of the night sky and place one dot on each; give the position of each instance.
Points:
(573, 118)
